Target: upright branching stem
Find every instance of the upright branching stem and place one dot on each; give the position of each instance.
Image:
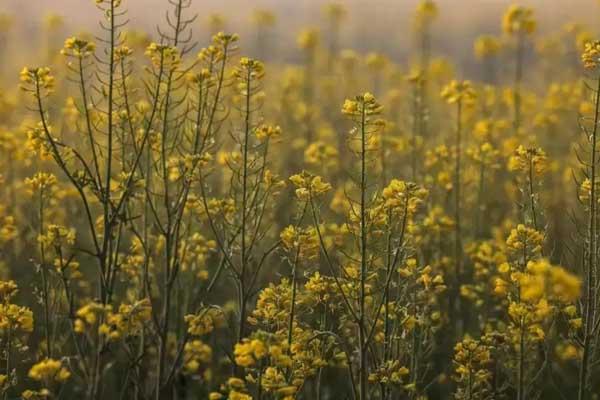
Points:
(44, 273)
(460, 94)
(363, 255)
(589, 301)
(479, 211)
(308, 94)
(84, 99)
(107, 236)
(457, 210)
(292, 305)
(416, 125)
(517, 83)
(532, 199)
(244, 258)
(521, 361)
(424, 61)
(522, 332)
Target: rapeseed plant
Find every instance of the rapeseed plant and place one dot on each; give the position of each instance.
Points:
(216, 223)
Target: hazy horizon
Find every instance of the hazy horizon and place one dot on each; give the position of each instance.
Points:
(382, 24)
(388, 13)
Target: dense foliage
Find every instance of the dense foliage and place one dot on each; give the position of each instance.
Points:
(183, 223)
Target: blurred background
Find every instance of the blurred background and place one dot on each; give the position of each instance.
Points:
(376, 25)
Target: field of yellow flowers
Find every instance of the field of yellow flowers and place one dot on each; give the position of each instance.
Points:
(187, 222)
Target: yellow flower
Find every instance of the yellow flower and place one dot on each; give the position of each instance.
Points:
(128, 321)
(168, 57)
(459, 92)
(225, 39)
(363, 104)
(308, 39)
(376, 61)
(472, 358)
(576, 323)
(526, 238)
(321, 154)
(16, 318)
(33, 79)
(204, 322)
(486, 46)
(426, 12)
(308, 186)
(500, 287)
(8, 289)
(565, 285)
(249, 352)
(526, 158)
(591, 55)
(567, 351)
(122, 52)
(235, 395)
(41, 181)
(80, 48)
(88, 314)
(301, 241)
(264, 132)
(335, 11)
(196, 353)
(389, 373)
(403, 197)
(248, 69)
(236, 383)
(48, 371)
(518, 20)
(263, 18)
(57, 236)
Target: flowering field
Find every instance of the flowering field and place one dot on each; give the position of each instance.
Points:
(181, 220)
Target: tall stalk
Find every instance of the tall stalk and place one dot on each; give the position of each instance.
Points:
(44, 273)
(517, 81)
(363, 257)
(243, 295)
(457, 215)
(589, 305)
(172, 225)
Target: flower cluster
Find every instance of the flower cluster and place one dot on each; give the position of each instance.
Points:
(519, 20)
(79, 48)
(309, 186)
(459, 92)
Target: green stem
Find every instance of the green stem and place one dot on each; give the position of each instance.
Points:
(363, 258)
(589, 301)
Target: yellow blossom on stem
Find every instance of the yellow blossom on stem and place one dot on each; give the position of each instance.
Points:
(518, 20)
(49, 371)
(459, 92)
